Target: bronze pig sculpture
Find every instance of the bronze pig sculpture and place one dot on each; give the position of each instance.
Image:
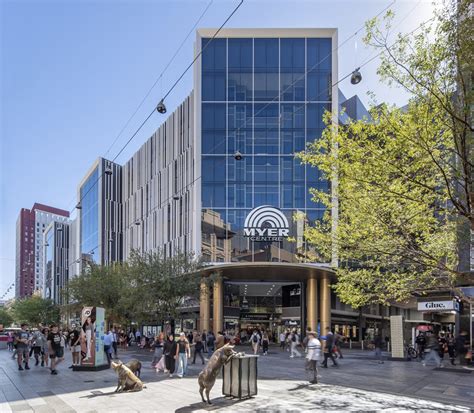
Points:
(127, 381)
(135, 366)
(208, 375)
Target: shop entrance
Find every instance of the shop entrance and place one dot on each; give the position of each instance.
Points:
(272, 307)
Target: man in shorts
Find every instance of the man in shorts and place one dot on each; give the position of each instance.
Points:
(75, 344)
(22, 340)
(56, 352)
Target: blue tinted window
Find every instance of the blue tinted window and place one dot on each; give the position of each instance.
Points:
(213, 116)
(89, 196)
(214, 168)
(314, 115)
(292, 141)
(266, 55)
(319, 87)
(240, 171)
(240, 55)
(213, 87)
(214, 55)
(240, 135)
(292, 55)
(266, 169)
(291, 169)
(213, 195)
(319, 54)
(266, 195)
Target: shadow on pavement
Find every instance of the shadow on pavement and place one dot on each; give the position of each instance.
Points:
(217, 403)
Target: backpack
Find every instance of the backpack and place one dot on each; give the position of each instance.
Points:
(255, 338)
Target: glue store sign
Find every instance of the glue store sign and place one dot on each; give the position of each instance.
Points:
(437, 306)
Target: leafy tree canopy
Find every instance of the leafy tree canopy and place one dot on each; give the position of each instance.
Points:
(402, 179)
(35, 310)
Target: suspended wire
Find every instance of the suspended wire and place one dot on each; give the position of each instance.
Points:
(169, 91)
(184, 188)
(160, 76)
(202, 50)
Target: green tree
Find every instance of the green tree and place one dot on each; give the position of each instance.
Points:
(5, 317)
(101, 286)
(160, 284)
(35, 310)
(404, 179)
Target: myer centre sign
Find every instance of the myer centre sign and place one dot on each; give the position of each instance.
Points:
(266, 223)
(438, 306)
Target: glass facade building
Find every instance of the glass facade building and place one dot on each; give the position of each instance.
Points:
(89, 196)
(265, 98)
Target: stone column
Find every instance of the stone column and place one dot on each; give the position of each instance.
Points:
(218, 304)
(325, 303)
(204, 306)
(312, 303)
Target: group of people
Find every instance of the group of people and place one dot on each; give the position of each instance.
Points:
(171, 355)
(432, 347)
(46, 344)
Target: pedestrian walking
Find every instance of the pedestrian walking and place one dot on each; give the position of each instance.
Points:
(183, 352)
(255, 340)
(115, 342)
(22, 341)
(108, 339)
(265, 343)
(37, 345)
(75, 343)
(328, 348)
(337, 344)
(56, 352)
(220, 340)
(138, 337)
(210, 340)
(10, 340)
(451, 342)
(432, 350)
(378, 343)
(282, 341)
(295, 341)
(313, 355)
(169, 350)
(204, 339)
(157, 348)
(45, 350)
(198, 349)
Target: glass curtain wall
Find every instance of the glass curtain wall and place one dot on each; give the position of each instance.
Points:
(265, 98)
(89, 196)
(49, 263)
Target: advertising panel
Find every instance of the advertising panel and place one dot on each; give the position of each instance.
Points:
(92, 336)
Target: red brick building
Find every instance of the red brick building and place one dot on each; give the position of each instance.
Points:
(29, 239)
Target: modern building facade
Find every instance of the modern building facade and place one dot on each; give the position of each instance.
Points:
(98, 231)
(30, 226)
(56, 241)
(220, 178)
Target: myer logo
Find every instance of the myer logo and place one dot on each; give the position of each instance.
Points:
(266, 223)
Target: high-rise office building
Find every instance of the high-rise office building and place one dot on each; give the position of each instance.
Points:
(56, 241)
(98, 231)
(30, 227)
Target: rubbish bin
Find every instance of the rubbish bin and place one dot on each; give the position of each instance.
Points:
(240, 377)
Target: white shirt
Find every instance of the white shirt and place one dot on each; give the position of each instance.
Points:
(282, 337)
(314, 349)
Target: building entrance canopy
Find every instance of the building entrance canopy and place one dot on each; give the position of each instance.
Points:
(307, 276)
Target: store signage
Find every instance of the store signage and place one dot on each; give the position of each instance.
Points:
(266, 223)
(438, 306)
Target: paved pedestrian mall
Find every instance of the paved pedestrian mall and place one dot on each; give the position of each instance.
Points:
(358, 384)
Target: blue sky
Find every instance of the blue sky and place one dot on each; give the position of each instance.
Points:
(73, 71)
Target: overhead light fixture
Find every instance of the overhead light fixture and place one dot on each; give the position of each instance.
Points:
(176, 197)
(161, 108)
(108, 170)
(78, 206)
(137, 222)
(237, 156)
(356, 77)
